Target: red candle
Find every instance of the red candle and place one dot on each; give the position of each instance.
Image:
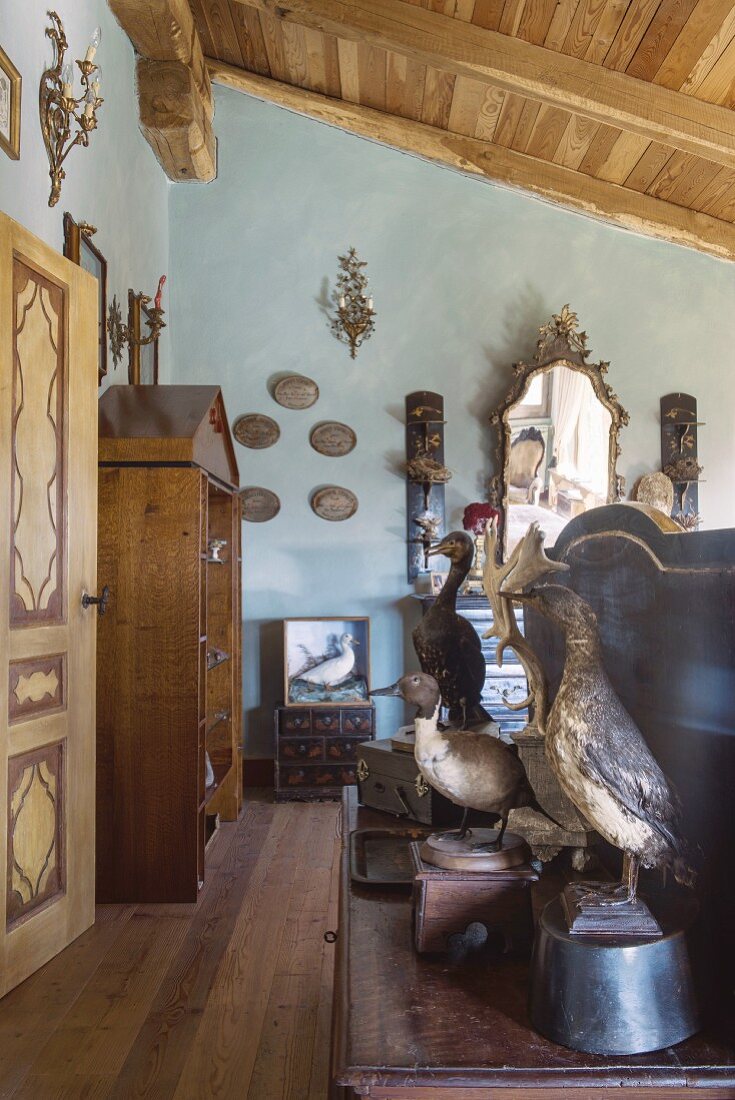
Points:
(159, 292)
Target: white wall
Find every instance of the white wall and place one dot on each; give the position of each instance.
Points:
(463, 274)
(115, 184)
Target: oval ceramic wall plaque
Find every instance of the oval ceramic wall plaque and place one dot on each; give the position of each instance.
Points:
(296, 391)
(333, 439)
(334, 503)
(256, 431)
(259, 505)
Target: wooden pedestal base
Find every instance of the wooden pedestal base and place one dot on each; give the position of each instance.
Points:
(446, 903)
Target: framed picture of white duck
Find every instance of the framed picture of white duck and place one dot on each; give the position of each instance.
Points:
(326, 661)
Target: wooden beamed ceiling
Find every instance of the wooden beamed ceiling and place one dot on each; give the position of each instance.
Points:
(620, 108)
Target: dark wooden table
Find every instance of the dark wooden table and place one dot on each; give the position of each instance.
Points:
(407, 1026)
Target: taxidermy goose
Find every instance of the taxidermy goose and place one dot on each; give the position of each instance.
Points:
(473, 770)
(599, 755)
(336, 669)
(446, 645)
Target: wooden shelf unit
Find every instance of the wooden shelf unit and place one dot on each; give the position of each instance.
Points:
(168, 483)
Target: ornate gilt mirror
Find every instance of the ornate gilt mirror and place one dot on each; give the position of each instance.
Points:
(558, 434)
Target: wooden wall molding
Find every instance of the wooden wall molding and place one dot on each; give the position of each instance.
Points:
(651, 111)
(564, 186)
(174, 89)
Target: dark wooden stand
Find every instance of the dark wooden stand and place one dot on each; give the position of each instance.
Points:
(445, 903)
(408, 1025)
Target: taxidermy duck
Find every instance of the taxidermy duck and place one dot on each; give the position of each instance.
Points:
(334, 671)
(599, 755)
(473, 770)
(447, 646)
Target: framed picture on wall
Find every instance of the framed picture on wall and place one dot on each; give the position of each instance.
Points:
(326, 662)
(80, 249)
(10, 88)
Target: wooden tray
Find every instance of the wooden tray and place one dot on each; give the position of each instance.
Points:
(382, 857)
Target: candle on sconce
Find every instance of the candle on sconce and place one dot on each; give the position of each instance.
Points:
(94, 41)
(90, 103)
(97, 82)
(370, 303)
(159, 292)
(67, 81)
(342, 302)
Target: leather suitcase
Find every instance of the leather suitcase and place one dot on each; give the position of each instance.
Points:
(389, 780)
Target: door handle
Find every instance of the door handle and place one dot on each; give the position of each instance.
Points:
(101, 601)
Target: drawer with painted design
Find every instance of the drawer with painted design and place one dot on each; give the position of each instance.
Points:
(291, 720)
(325, 721)
(358, 720)
(342, 748)
(306, 749)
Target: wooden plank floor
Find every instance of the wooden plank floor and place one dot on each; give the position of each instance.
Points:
(228, 998)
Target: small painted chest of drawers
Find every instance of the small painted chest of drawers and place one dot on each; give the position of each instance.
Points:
(316, 750)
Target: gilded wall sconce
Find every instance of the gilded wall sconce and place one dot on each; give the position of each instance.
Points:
(60, 111)
(130, 334)
(354, 322)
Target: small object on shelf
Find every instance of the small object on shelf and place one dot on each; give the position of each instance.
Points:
(354, 321)
(214, 550)
(219, 716)
(256, 431)
(326, 661)
(333, 439)
(447, 902)
(259, 505)
(426, 476)
(334, 503)
(216, 657)
(10, 94)
(296, 391)
(317, 749)
(208, 771)
(679, 456)
(657, 491)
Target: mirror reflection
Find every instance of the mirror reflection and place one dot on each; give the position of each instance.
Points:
(559, 460)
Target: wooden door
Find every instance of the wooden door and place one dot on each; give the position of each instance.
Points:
(48, 513)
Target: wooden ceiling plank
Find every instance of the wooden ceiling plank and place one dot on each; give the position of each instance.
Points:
(404, 86)
(718, 86)
(622, 158)
(465, 10)
(526, 123)
(222, 31)
(273, 42)
(349, 73)
(511, 17)
(584, 25)
(575, 141)
(726, 208)
(548, 131)
(635, 24)
(695, 36)
(438, 92)
(510, 116)
(659, 38)
(468, 98)
(250, 36)
(649, 166)
(714, 50)
(560, 23)
(200, 22)
(487, 120)
(536, 20)
(507, 167)
(461, 49)
(599, 149)
(669, 176)
(294, 54)
(371, 67)
(323, 61)
(712, 197)
(607, 28)
(487, 14)
(687, 190)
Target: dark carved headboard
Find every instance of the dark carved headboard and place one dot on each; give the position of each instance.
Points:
(666, 608)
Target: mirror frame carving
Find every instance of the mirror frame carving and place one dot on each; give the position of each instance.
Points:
(560, 343)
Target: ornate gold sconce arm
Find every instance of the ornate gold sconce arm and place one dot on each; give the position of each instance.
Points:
(59, 110)
(355, 320)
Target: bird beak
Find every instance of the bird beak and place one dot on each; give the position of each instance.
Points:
(440, 548)
(355, 641)
(394, 689)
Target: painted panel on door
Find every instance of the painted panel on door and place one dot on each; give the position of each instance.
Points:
(36, 863)
(37, 475)
(37, 685)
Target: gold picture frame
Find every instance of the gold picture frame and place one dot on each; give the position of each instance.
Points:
(10, 95)
(312, 640)
(81, 250)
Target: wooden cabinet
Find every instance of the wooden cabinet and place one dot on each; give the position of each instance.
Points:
(169, 651)
(48, 498)
(316, 750)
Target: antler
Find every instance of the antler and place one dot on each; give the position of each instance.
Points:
(527, 563)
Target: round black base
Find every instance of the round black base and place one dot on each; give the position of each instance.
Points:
(614, 997)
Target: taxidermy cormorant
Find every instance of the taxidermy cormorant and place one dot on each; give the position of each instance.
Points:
(335, 670)
(474, 770)
(599, 755)
(447, 646)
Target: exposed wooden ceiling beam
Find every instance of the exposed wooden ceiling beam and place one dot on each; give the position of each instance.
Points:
(430, 38)
(597, 198)
(174, 89)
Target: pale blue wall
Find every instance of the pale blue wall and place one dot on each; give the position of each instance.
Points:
(463, 274)
(115, 184)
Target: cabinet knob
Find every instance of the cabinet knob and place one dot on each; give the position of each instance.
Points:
(101, 601)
